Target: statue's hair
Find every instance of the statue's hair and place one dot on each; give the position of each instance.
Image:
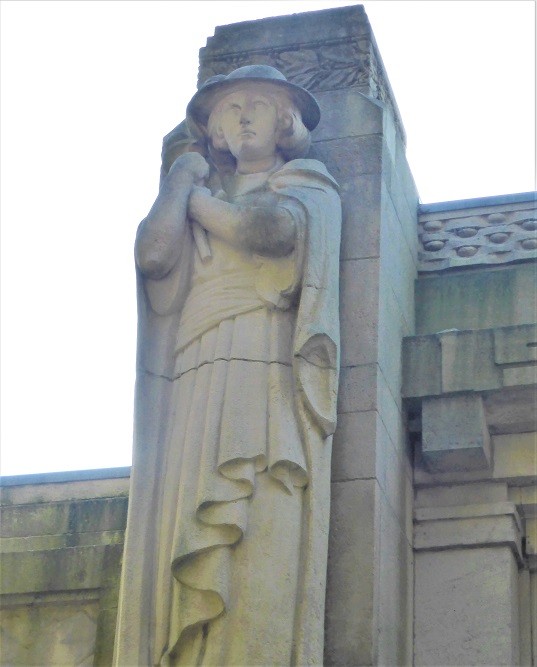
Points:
(293, 140)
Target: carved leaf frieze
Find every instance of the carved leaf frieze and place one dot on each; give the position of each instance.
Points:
(349, 63)
(324, 67)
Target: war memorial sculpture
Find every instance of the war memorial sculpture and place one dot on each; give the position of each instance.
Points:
(245, 281)
(335, 440)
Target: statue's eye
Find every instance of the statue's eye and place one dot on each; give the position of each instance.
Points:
(235, 107)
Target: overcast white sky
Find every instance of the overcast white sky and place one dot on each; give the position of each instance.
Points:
(88, 89)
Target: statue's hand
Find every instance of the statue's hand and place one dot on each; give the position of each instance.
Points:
(199, 203)
(192, 164)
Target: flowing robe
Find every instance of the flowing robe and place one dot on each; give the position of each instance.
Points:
(225, 557)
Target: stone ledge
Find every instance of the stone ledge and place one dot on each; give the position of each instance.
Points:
(64, 476)
(64, 517)
(67, 569)
(475, 511)
(67, 486)
(489, 231)
(460, 527)
(33, 600)
(64, 540)
(472, 360)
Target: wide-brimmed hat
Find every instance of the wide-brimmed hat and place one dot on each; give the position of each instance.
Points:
(201, 105)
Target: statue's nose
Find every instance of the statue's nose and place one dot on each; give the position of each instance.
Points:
(246, 117)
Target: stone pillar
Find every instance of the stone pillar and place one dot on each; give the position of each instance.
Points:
(467, 582)
(361, 141)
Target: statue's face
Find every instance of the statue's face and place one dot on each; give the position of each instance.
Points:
(249, 121)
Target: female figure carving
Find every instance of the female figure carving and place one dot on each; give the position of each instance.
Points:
(225, 557)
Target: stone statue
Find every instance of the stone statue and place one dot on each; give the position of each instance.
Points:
(225, 556)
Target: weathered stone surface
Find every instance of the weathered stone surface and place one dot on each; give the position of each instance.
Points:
(461, 494)
(445, 362)
(527, 605)
(393, 327)
(406, 186)
(396, 484)
(25, 489)
(478, 299)
(363, 449)
(446, 530)
(353, 552)
(515, 457)
(513, 461)
(466, 607)
(454, 433)
(58, 634)
(405, 200)
(347, 158)
(107, 616)
(468, 526)
(72, 568)
(357, 388)
(534, 617)
(336, 51)
(348, 113)
(359, 311)
(398, 253)
(81, 516)
(361, 205)
(499, 363)
(478, 234)
(245, 309)
(515, 345)
(354, 447)
(58, 578)
(394, 645)
(248, 37)
(512, 410)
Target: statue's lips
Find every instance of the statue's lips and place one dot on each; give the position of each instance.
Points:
(247, 133)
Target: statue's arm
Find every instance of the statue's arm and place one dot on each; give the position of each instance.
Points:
(267, 229)
(158, 241)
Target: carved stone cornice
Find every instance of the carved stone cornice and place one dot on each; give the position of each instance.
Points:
(321, 66)
(477, 235)
(345, 57)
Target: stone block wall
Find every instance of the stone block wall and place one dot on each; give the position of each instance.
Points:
(60, 552)
(470, 386)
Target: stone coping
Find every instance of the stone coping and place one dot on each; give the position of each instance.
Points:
(65, 476)
(478, 202)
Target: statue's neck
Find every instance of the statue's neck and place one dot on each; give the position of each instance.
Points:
(262, 166)
(240, 183)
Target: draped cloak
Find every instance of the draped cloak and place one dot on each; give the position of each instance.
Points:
(217, 409)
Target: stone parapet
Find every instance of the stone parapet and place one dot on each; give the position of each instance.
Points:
(487, 231)
(61, 542)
